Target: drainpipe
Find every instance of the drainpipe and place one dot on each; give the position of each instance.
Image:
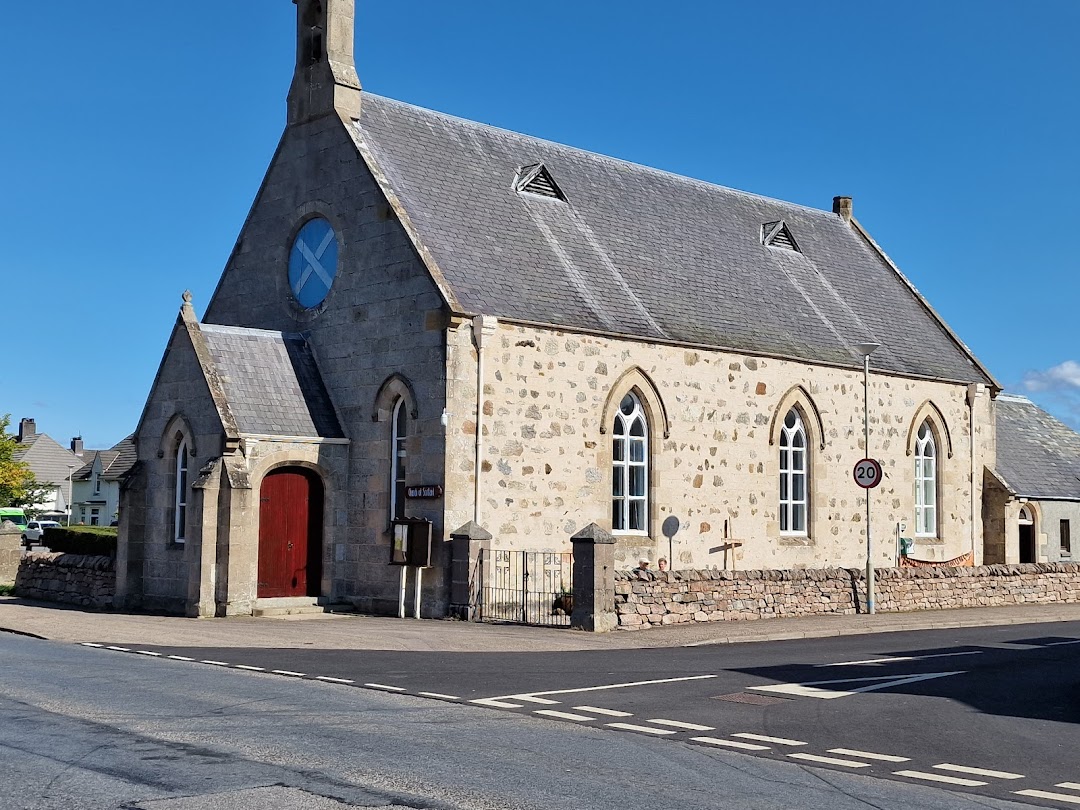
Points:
(483, 327)
(972, 394)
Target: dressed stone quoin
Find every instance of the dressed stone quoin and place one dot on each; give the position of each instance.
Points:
(425, 317)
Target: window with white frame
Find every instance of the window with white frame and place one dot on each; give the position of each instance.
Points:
(180, 496)
(793, 475)
(925, 482)
(630, 467)
(97, 484)
(399, 433)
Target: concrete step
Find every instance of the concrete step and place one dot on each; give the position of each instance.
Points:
(287, 610)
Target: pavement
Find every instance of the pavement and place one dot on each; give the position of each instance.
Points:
(358, 632)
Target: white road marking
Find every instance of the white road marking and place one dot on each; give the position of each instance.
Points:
(118, 649)
(1068, 785)
(533, 699)
(180, 658)
(1046, 794)
(937, 777)
(148, 652)
(945, 766)
(679, 724)
(896, 658)
(384, 686)
(562, 715)
(90, 644)
(333, 680)
(288, 672)
(439, 695)
(1060, 643)
(730, 743)
(645, 729)
(811, 688)
(249, 667)
(217, 663)
(851, 752)
(846, 763)
(608, 712)
(528, 695)
(496, 703)
(763, 738)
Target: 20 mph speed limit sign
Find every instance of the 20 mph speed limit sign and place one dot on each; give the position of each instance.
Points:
(867, 473)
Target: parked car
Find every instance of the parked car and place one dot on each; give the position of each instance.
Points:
(36, 528)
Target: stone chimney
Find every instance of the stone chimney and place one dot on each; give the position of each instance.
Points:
(77, 445)
(27, 430)
(324, 80)
(842, 207)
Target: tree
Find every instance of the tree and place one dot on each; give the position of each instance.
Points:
(18, 486)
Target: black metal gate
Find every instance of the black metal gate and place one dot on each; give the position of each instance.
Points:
(527, 587)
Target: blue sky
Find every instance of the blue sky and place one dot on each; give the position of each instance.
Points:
(135, 139)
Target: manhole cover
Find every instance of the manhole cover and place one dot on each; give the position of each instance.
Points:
(749, 697)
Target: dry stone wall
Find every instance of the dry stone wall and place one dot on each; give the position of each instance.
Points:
(650, 599)
(74, 579)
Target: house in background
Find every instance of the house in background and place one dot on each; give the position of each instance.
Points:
(1032, 498)
(95, 497)
(433, 318)
(52, 465)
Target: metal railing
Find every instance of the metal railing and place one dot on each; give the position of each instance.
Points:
(527, 587)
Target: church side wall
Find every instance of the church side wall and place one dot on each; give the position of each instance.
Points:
(383, 317)
(549, 450)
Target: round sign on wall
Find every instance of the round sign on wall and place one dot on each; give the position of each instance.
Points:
(313, 262)
(867, 473)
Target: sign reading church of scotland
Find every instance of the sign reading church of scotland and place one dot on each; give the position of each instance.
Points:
(424, 491)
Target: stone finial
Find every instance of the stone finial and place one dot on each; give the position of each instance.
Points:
(841, 206)
(472, 530)
(592, 534)
(187, 312)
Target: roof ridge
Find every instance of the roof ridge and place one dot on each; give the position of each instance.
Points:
(602, 156)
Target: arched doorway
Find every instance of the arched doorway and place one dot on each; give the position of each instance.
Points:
(290, 533)
(1027, 535)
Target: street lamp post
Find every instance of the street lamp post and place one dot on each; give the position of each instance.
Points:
(865, 350)
(71, 470)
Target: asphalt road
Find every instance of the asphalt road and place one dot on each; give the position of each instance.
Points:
(94, 728)
(989, 711)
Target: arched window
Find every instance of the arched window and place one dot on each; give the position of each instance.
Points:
(793, 475)
(925, 482)
(180, 496)
(398, 434)
(630, 467)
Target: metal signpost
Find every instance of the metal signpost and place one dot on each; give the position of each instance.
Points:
(867, 475)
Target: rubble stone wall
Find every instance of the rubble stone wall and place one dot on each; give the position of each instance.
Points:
(650, 599)
(74, 579)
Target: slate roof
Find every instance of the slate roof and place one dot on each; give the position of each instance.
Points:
(271, 382)
(1038, 456)
(50, 461)
(644, 253)
(115, 462)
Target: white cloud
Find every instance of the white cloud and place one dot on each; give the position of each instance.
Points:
(1058, 390)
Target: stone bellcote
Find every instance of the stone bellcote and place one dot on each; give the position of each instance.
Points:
(325, 79)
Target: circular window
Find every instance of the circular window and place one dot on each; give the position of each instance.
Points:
(313, 263)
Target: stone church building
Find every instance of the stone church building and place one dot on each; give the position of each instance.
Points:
(430, 317)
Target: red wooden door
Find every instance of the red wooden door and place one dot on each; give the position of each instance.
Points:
(290, 509)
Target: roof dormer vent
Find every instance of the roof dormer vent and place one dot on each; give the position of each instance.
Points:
(777, 235)
(535, 179)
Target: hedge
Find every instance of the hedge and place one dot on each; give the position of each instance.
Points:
(99, 540)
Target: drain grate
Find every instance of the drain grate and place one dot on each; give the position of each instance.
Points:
(748, 697)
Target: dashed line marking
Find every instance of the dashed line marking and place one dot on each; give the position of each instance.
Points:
(608, 712)
(534, 699)
(288, 672)
(1068, 785)
(333, 680)
(946, 766)
(844, 763)
(897, 658)
(851, 752)
(148, 652)
(1046, 794)
(439, 695)
(764, 738)
(118, 649)
(563, 715)
(217, 663)
(643, 729)
(249, 667)
(730, 743)
(90, 644)
(496, 703)
(937, 777)
(385, 687)
(680, 724)
(180, 658)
